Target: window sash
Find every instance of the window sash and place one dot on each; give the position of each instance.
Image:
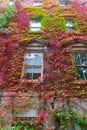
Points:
(80, 61)
(69, 28)
(70, 25)
(34, 58)
(33, 69)
(11, 2)
(35, 24)
(81, 72)
(33, 73)
(34, 66)
(64, 2)
(37, 3)
(35, 28)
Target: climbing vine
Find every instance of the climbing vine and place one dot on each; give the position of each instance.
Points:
(6, 16)
(60, 80)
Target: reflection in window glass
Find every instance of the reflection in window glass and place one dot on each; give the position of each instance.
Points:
(80, 61)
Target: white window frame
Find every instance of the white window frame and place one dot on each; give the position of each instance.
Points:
(37, 3)
(32, 65)
(35, 26)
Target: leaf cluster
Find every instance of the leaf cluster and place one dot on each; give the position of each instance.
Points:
(7, 15)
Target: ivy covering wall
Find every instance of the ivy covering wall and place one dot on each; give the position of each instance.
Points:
(15, 34)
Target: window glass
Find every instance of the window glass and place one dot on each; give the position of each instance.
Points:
(37, 3)
(34, 62)
(33, 58)
(11, 2)
(35, 24)
(63, 2)
(80, 61)
(84, 2)
(70, 25)
(33, 72)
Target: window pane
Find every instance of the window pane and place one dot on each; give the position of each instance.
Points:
(29, 76)
(33, 70)
(33, 75)
(64, 2)
(36, 75)
(11, 2)
(35, 23)
(34, 58)
(80, 59)
(83, 59)
(35, 28)
(81, 64)
(85, 72)
(81, 73)
(70, 28)
(34, 63)
(37, 3)
(69, 24)
(76, 59)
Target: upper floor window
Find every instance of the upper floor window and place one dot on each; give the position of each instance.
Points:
(80, 60)
(64, 2)
(11, 2)
(84, 2)
(34, 65)
(70, 25)
(37, 3)
(35, 24)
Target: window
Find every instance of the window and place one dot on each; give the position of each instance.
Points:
(11, 2)
(32, 68)
(80, 61)
(37, 3)
(84, 2)
(63, 2)
(70, 25)
(35, 24)
(34, 65)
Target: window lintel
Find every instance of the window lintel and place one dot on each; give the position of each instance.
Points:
(36, 42)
